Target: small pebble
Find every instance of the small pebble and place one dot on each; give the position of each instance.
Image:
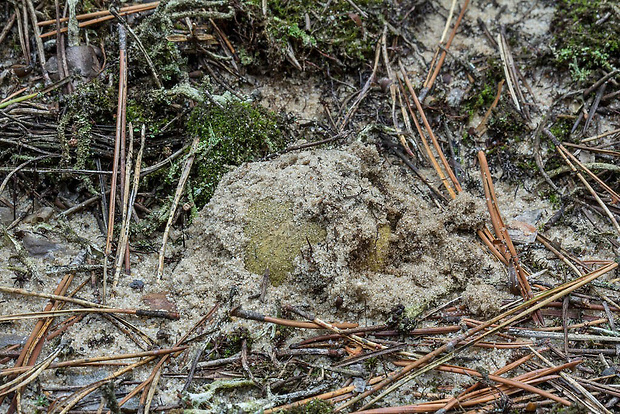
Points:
(137, 284)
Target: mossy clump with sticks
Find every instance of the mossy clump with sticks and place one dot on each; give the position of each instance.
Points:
(91, 103)
(344, 33)
(232, 343)
(587, 36)
(484, 91)
(561, 129)
(155, 32)
(230, 133)
(156, 109)
(166, 57)
(506, 126)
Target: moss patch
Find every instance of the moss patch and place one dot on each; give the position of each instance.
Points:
(484, 90)
(230, 135)
(315, 30)
(276, 238)
(587, 36)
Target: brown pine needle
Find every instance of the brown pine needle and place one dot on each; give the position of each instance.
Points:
(86, 361)
(146, 383)
(80, 394)
(440, 153)
(562, 151)
(399, 378)
(29, 374)
(88, 16)
(482, 126)
(431, 81)
(255, 316)
(177, 197)
(68, 312)
(506, 247)
(82, 302)
(99, 17)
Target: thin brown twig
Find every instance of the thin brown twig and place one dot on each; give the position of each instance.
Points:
(398, 378)
(66, 312)
(255, 316)
(615, 198)
(442, 157)
(88, 16)
(29, 374)
(38, 41)
(482, 126)
(511, 76)
(80, 394)
(429, 152)
(103, 17)
(362, 94)
(86, 361)
(429, 84)
(592, 149)
(175, 202)
(456, 400)
(31, 350)
(575, 384)
(563, 151)
(146, 383)
(122, 21)
(507, 247)
(23, 292)
(22, 26)
(7, 27)
(122, 249)
(120, 121)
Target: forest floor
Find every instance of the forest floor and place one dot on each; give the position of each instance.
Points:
(371, 206)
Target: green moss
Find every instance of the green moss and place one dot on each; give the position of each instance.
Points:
(561, 129)
(230, 135)
(236, 133)
(276, 237)
(371, 363)
(151, 108)
(313, 407)
(232, 343)
(91, 103)
(555, 200)
(484, 91)
(337, 30)
(527, 164)
(573, 409)
(467, 140)
(413, 311)
(506, 125)
(582, 43)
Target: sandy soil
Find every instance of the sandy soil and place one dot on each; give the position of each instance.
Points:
(346, 233)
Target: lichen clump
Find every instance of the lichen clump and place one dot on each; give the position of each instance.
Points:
(230, 135)
(91, 103)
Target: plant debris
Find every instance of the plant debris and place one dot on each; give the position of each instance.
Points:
(251, 206)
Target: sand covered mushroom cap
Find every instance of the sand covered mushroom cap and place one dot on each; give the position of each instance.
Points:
(342, 231)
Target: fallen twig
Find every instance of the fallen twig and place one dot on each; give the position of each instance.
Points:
(175, 202)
